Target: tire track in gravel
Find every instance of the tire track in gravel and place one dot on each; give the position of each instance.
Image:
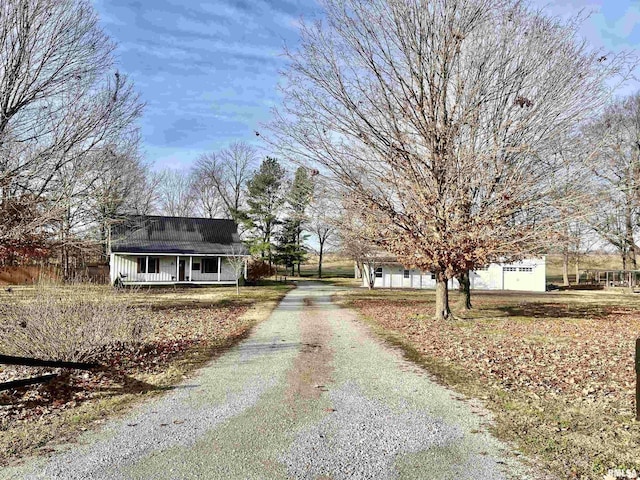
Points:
(388, 419)
(312, 367)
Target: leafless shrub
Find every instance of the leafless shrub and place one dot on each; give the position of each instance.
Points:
(56, 325)
(258, 269)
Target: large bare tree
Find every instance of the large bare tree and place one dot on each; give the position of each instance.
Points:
(118, 181)
(436, 116)
(227, 172)
(207, 201)
(61, 100)
(323, 218)
(575, 203)
(614, 138)
(175, 193)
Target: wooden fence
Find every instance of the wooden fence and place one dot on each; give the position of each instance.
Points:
(34, 362)
(32, 274)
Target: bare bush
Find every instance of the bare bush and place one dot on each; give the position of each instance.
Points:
(257, 269)
(58, 326)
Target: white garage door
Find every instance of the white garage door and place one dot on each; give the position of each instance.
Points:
(517, 278)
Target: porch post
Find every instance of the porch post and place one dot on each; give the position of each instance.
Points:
(219, 267)
(191, 268)
(177, 268)
(245, 267)
(146, 268)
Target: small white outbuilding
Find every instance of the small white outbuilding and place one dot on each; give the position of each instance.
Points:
(526, 275)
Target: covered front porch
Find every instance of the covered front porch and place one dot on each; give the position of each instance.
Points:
(168, 269)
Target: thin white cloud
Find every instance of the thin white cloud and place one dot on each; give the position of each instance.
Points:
(208, 71)
(625, 24)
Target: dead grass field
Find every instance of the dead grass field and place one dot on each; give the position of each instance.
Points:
(592, 261)
(556, 369)
(333, 266)
(188, 328)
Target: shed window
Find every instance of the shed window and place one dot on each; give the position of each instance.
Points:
(510, 269)
(526, 269)
(379, 272)
(406, 273)
(433, 276)
(210, 265)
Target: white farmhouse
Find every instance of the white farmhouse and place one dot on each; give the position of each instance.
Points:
(157, 250)
(526, 275)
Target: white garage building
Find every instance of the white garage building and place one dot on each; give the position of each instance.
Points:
(526, 275)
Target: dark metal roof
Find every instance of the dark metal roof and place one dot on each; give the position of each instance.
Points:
(179, 235)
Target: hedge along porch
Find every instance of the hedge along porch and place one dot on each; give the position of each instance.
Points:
(175, 250)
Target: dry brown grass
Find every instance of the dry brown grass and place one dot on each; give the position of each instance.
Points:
(556, 369)
(188, 328)
(593, 261)
(74, 327)
(333, 265)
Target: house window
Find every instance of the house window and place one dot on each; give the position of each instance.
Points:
(379, 272)
(154, 265)
(433, 276)
(406, 274)
(196, 266)
(510, 269)
(210, 265)
(526, 269)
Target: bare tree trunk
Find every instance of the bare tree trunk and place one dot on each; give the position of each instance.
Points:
(631, 250)
(465, 287)
(298, 245)
(442, 298)
(565, 266)
(320, 259)
(577, 265)
(371, 275)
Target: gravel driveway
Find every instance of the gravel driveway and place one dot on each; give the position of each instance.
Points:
(310, 394)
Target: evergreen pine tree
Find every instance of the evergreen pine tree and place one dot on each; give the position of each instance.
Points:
(265, 198)
(298, 201)
(286, 249)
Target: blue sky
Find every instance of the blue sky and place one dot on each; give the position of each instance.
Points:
(208, 70)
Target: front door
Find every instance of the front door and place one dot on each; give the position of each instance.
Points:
(181, 271)
(406, 279)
